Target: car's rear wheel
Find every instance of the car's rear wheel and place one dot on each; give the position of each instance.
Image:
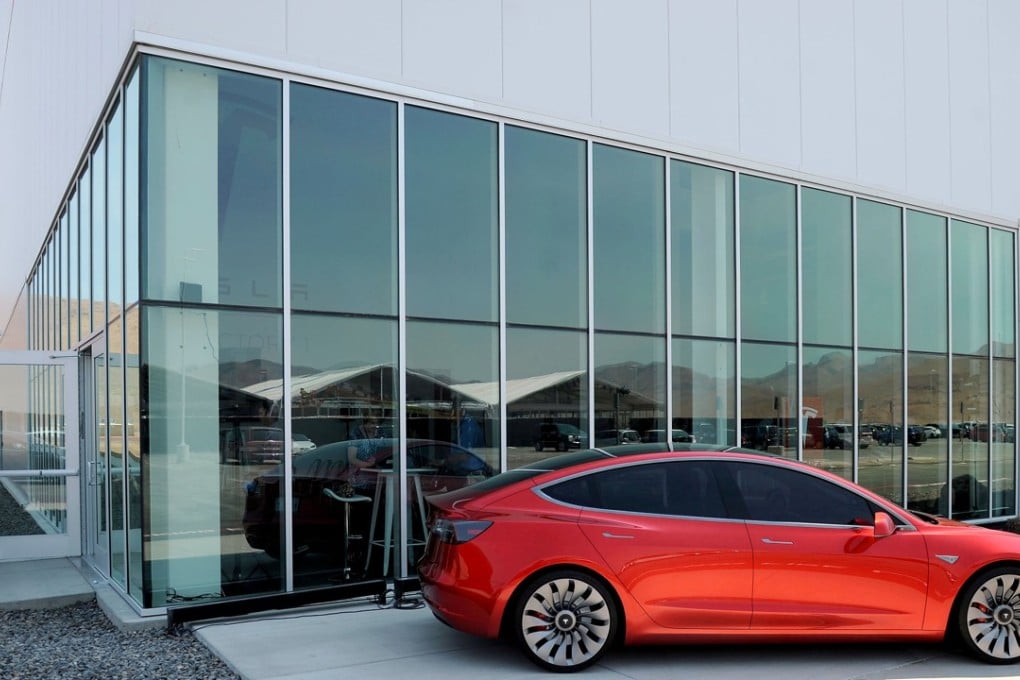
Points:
(988, 618)
(565, 620)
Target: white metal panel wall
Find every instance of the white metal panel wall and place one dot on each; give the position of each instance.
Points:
(629, 66)
(454, 46)
(926, 97)
(878, 37)
(547, 57)
(1004, 86)
(770, 81)
(703, 74)
(60, 62)
(828, 123)
(257, 26)
(351, 36)
(969, 102)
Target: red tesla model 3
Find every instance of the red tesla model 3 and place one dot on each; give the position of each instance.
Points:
(577, 552)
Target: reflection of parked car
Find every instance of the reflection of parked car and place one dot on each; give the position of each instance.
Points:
(301, 443)
(893, 434)
(761, 436)
(560, 436)
(318, 521)
(614, 437)
(678, 436)
(509, 558)
(247, 444)
(841, 436)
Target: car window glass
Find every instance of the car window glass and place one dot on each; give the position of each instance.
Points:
(673, 488)
(775, 494)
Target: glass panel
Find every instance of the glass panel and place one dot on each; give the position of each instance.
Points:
(115, 213)
(452, 411)
(927, 458)
(131, 190)
(99, 228)
(970, 288)
(132, 421)
(99, 474)
(629, 223)
(74, 284)
(973, 431)
(926, 282)
(1003, 285)
(827, 415)
(769, 398)
(701, 205)
(546, 229)
(880, 405)
(116, 426)
(65, 307)
(826, 262)
(200, 487)
(85, 253)
(343, 155)
(768, 259)
(630, 387)
(879, 275)
(33, 506)
(452, 218)
(344, 420)
(1003, 494)
(213, 222)
(547, 393)
(704, 391)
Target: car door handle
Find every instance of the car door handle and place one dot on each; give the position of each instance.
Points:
(607, 534)
(771, 542)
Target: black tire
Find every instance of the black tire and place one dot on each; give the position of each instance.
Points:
(561, 446)
(988, 616)
(565, 620)
(538, 446)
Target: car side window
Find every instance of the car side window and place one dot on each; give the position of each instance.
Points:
(775, 494)
(685, 488)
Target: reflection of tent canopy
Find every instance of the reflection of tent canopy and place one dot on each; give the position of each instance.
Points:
(424, 389)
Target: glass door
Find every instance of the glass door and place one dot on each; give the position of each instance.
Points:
(96, 450)
(39, 463)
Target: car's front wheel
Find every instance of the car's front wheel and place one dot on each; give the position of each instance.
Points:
(989, 616)
(565, 620)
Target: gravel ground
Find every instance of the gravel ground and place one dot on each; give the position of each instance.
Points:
(14, 521)
(80, 642)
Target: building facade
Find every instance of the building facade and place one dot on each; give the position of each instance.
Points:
(304, 264)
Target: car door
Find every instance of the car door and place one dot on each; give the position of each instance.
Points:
(663, 529)
(817, 562)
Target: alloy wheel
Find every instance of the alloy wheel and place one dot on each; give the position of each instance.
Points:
(990, 617)
(566, 621)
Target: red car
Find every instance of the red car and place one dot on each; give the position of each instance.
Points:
(575, 553)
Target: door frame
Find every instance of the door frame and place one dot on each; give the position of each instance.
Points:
(68, 543)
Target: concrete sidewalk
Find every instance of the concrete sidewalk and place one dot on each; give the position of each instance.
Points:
(364, 640)
(360, 638)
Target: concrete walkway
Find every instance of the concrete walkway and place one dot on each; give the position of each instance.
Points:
(362, 639)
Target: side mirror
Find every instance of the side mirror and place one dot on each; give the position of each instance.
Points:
(884, 525)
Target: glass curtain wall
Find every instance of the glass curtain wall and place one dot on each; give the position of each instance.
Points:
(1002, 250)
(828, 418)
(703, 302)
(211, 332)
(344, 404)
(869, 339)
(769, 405)
(546, 218)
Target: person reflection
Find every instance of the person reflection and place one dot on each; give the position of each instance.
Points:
(363, 452)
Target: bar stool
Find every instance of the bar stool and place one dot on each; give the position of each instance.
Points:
(385, 484)
(347, 501)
